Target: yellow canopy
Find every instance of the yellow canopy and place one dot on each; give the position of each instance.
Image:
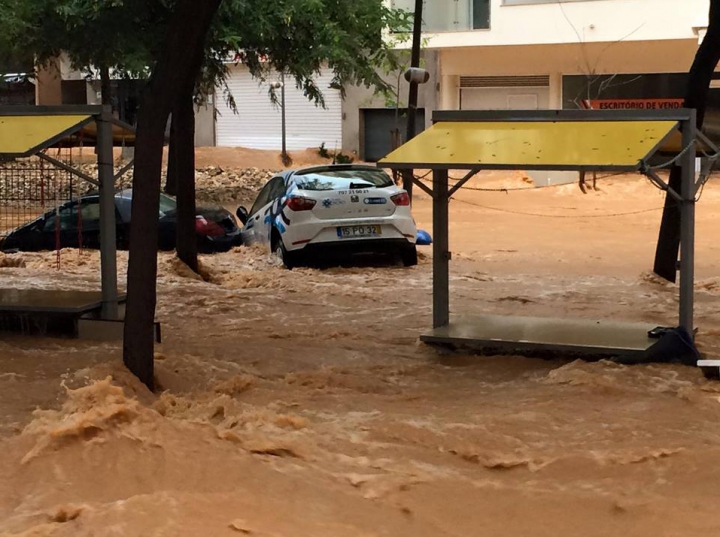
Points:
(122, 134)
(25, 135)
(559, 145)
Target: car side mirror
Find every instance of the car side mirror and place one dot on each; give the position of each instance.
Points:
(242, 214)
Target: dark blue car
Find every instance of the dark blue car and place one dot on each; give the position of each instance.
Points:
(215, 227)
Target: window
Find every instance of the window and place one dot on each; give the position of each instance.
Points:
(89, 213)
(267, 194)
(167, 204)
(343, 179)
(451, 15)
(481, 14)
(528, 2)
(278, 189)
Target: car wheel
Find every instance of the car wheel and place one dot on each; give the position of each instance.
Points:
(289, 259)
(409, 257)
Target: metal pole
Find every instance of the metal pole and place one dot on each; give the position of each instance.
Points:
(687, 226)
(441, 253)
(413, 94)
(414, 62)
(108, 257)
(282, 99)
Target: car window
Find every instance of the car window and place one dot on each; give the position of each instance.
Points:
(123, 205)
(342, 179)
(89, 213)
(269, 192)
(278, 188)
(167, 204)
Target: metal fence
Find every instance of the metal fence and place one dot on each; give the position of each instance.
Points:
(32, 187)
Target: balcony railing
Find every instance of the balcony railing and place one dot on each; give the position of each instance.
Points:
(451, 15)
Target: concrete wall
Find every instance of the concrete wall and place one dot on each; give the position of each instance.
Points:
(358, 98)
(48, 85)
(205, 125)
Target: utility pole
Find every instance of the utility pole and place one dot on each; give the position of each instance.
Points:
(286, 160)
(413, 96)
(285, 157)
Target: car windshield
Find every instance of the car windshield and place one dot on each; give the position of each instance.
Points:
(342, 179)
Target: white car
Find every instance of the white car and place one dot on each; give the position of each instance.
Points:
(328, 210)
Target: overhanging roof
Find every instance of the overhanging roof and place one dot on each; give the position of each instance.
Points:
(534, 145)
(24, 135)
(27, 130)
(123, 134)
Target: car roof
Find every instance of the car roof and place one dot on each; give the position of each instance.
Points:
(328, 168)
(125, 193)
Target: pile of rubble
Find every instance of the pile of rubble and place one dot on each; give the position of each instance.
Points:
(31, 181)
(214, 184)
(218, 185)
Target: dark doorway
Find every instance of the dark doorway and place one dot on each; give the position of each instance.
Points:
(378, 125)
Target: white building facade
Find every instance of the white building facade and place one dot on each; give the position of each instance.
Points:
(540, 54)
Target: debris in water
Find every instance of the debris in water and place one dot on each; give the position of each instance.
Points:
(240, 525)
(67, 513)
(235, 385)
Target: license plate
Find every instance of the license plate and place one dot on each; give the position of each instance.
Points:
(348, 232)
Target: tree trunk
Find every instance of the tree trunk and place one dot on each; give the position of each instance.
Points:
(183, 139)
(696, 94)
(171, 181)
(105, 86)
(139, 337)
(177, 67)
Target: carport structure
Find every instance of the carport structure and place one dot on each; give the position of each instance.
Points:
(563, 140)
(28, 132)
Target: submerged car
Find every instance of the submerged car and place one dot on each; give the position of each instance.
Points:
(329, 210)
(215, 227)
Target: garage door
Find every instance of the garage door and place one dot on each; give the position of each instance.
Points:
(257, 124)
(504, 93)
(378, 124)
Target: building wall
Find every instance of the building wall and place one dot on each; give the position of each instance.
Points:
(205, 125)
(557, 60)
(555, 38)
(48, 85)
(536, 22)
(358, 98)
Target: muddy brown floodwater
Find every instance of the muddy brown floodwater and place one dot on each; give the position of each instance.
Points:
(301, 403)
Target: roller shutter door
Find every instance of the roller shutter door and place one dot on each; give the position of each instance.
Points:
(257, 125)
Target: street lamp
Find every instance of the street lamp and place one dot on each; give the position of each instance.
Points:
(281, 86)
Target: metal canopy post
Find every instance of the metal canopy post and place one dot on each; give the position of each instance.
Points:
(422, 186)
(441, 252)
(122, 171)
(687, 224)
(108, 257)
(461, 182)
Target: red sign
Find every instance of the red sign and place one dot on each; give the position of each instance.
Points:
(633, 104)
